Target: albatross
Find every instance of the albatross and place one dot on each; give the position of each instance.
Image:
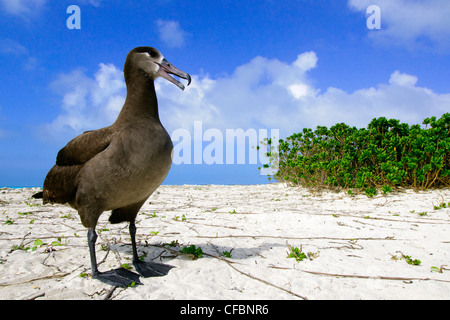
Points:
(118, 167)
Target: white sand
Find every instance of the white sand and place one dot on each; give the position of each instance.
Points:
(354, 239)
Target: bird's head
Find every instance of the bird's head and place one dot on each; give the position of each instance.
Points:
(153, 64)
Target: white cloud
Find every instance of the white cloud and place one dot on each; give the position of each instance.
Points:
(306, 61)
(87, 103)
(263, 93)
(410, 23)
(171, 34)
(299, 90)
(22, 8)
(402, 79)
(16, 50)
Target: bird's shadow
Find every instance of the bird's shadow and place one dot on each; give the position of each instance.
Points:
(163, 253)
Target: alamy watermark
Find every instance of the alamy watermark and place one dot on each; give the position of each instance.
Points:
(74, 20)
(374, 17)
(234, 146)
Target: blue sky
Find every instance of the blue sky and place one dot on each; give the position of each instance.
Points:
(255, 65)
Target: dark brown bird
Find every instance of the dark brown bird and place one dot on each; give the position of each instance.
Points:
(118, 167)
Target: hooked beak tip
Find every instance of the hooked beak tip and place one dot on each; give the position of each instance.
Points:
(188, 79)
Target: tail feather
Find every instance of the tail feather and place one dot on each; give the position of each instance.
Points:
(60, 184)
(38, 195)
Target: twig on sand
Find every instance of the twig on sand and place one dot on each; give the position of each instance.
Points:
(56, 275)
(337, 275)
(372, 277)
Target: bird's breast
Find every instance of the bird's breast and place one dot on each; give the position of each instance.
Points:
(138, 163)
(149, 154)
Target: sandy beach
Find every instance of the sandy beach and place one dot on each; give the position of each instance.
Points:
(353, 247)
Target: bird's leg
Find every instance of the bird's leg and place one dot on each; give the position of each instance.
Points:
(146, 269)
(92, 238)
(119, 277)
(132, 228)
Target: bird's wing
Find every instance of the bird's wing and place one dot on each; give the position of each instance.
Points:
(84, 147)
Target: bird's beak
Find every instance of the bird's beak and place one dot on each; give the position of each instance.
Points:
(166, 68)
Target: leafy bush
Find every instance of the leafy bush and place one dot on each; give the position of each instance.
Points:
(385, 155)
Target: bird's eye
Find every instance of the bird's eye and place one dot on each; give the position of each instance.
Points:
(152, 53)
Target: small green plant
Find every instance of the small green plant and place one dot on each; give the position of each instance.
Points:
(232, 211)
(37, 243)
(21, 247)
(126, 266)
(9, 221)
(193, 250)
(173, 243)
(24, 213)
(296, 253)
(142, 257)
(422, 213)
(442, 205)
(227, 253)
(408, 259)
(414, 262)
(56, 243)
(183, 218)
(436, 269)
(154, 232)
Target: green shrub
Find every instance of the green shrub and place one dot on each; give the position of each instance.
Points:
(386, 155)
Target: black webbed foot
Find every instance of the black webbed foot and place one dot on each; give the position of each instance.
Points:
(118, 277)
(151, 269)
(146, 269)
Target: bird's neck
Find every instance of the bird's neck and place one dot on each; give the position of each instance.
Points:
(141, 102)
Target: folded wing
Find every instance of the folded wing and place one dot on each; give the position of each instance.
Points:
(60, 185)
